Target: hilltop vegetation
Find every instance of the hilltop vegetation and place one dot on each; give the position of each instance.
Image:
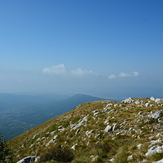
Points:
(100, 131)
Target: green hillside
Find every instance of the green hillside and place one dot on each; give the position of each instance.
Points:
(101, 131)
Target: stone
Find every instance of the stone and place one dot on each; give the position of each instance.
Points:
(89, 133)
(147, 104)
(108, 128)
(130, 157)
(137, 102)
(106, 109)
(73, 147)
(152, 99)
(115, 105)
(157, 100)
(94, 159)
(128, 100)
(77, 131)
(154, 149)
(139, 145)
(80, 123)
(29, 159)
(155, 142)
(94, 111)
(112, 159)
(52, 132)
(52, 140)
(114, 127)
(160, 121)
(95, 114)
(160, 161)
(123, 123)
(156, 115)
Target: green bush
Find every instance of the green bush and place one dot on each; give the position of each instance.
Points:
(66, 124)
(5, 152)
(152, 120)
(46, 157)
(58, 154)
(75, 120)
(104, 146)
(53, 127)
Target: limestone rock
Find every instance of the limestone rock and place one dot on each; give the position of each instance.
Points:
(147, 104)
(154, 149)
(160, 161)
(156, 115)
(29, 159)
(130, 157)
(152, 99)
(52, 140)
(94, 159)
(157, 100)
(89, 133)
(73, 147)
(108, 128)
(137, 102)
(80, 123)
(128, 100)
(114, 127)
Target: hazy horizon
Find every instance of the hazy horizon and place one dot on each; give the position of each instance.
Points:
(102, 48)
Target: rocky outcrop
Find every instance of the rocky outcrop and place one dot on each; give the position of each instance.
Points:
(93, 125)
(156, 115)
(29, 159)
(128, 100)
(52, 140)
(108, 128)
(160, 161)
(80, 123)
(154, 149)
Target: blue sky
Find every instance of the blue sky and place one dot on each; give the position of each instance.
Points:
(99, 47)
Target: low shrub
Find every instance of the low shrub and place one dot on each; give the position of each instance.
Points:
(58, 154)
(75, 120)
(106, 147)
(122, 155)
(156, 156)
(65, 125)
(53, 127)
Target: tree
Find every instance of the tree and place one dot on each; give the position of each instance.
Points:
(5, 153)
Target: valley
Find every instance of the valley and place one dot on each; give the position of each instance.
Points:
(20, 113)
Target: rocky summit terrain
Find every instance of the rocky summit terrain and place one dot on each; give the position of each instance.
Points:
(106, 131)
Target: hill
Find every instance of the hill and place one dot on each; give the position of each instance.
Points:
(101, 131)
(20, 113)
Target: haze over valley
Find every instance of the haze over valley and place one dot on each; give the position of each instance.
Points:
(71, 63)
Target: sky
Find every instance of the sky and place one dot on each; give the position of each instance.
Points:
(99, 47)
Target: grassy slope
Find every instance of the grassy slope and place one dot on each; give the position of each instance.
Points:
(132, 124)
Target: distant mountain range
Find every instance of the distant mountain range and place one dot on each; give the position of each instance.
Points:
(19, 113)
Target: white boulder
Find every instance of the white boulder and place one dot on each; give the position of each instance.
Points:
(160, 161)
(29, 159)
(157, 100)
(128, 100)
(108, 128)
(154, 149)
(152, 99)
(80, 123)
(156, 115)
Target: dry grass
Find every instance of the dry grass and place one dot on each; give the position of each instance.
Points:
(133, 127)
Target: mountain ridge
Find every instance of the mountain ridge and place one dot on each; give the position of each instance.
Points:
(101, 131)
